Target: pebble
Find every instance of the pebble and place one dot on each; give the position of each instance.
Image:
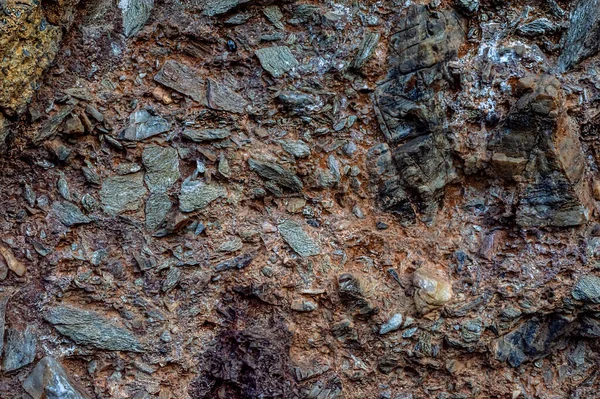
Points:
(392, 324)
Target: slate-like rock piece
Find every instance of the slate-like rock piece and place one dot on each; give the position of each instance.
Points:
(90, 328)
(135, 14)
(122, 193)
(183, 79)
(277, 174)
(531, 340)
(276, 60)
(223, 98)
(541, 26)
(299, 103)
(217, 7)
(365, 50)
(298, 239)
(197, 195)
(143, 124)
(162, 167)
(587, 289)
(157, 208)
(20, 348)
(583, 37)
(50, 380)
(206, 134)
(297, 148)
(70, 215)
(239, 262)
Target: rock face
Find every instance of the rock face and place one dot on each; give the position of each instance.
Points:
(299, 199)
(538, 145)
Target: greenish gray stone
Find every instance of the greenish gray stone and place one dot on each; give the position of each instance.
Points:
(216, 7)
(276, 60)
(298, 239)
(122, 193)
(20, 348)
(587, 289)
(49, 380)
(183, 79)
(143, 124)
(297, 148)
(277, 174)
(89, 328)
(69, 214)
(197, 195)
(135, 14)
(365, 50)
(206, 134)
(583, 37)
(157, 208)
(162, 167)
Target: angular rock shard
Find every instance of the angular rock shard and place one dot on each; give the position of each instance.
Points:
(298, 239)
(122, 193)
(583, 37)
(143, 125)
(276, 174)
(89, 328)
(183, 79)
(196, 195)
(50, 380)
(135, 14)
(276, 60)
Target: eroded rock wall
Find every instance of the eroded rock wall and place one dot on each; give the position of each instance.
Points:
(299, 199)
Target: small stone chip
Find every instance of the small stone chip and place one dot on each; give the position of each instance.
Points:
(297, 238)
(276, 60)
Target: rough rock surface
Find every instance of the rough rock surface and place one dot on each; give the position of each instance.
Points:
(299, 199)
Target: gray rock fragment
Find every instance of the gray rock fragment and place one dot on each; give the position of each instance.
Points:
(392, 324)
(20, 348)
(206, 134)
(365, 50)
(183, 79)
(143, 124)
(135, 14)
(69, 214)
(171, 279)
(587, 289)
(469, 7)
(277, 174)
(216, 7)
(122, 193)
(298, 239)
(539, 27)
(583, 37)
(297, 148)
(232, 245)
(49, 380)
(276, 60)
(223, 98)
(298, 102)
(162, 167)
(89, 328)
(157, 208)
(197, 195)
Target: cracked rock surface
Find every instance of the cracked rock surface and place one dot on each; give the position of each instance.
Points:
(299, 199)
